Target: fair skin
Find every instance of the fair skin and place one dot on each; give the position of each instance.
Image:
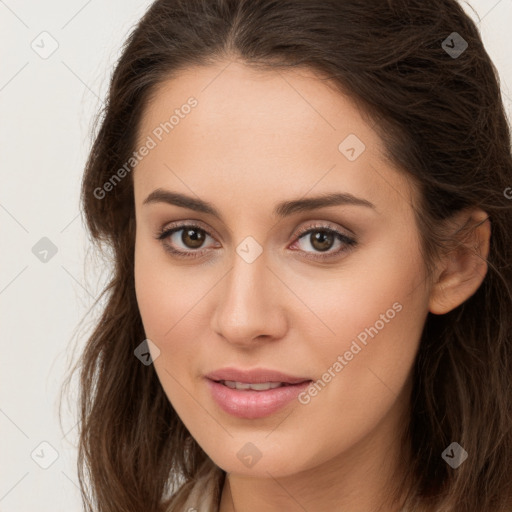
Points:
(255, 139)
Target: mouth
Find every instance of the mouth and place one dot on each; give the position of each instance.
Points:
(254, 376)
(257, 386)
(256, 394)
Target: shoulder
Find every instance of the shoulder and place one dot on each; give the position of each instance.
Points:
(201, 494)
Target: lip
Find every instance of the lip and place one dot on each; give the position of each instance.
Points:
(254, 376)
(252, 404)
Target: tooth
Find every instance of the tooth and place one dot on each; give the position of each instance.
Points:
(265, 385)
(241, 385)
(261, 386)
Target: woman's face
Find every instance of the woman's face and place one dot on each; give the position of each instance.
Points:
(344, 313)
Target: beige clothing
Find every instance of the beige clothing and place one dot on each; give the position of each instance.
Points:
(201, 495)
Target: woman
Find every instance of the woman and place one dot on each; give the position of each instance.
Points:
(308, 309)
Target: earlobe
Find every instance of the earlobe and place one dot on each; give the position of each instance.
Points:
(461, 272)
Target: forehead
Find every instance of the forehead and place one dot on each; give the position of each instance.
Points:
(241, 101)
(259, 134)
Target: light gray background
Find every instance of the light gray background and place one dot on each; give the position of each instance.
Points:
(46, 110)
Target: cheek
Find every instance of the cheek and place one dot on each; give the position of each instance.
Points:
(378, 294)
(165, 292)
(165, 299)
(377, 315)
(172, 301)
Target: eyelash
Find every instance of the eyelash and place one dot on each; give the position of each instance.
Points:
(168, 231)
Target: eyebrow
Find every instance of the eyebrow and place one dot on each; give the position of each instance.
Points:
(283, 209)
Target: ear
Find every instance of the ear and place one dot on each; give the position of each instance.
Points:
(461, 271)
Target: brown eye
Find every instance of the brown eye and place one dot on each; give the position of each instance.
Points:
(184, 240)
(193, 238)
(321, 240)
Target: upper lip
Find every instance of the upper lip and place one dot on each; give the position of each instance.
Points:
(253, 376)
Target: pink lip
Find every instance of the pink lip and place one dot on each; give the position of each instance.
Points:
(254, 376)
(252, 404)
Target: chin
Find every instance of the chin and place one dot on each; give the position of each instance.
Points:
(261, 459)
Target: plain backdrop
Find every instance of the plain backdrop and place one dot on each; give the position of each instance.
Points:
(56, 61)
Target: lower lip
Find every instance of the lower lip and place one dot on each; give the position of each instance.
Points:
(251, 404)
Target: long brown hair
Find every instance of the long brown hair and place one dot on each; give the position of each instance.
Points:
(442, 120)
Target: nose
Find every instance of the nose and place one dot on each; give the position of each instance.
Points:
(250, 304)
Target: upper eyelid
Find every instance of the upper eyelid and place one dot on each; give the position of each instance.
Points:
(299, 233)
(185, 224)
(348, 241)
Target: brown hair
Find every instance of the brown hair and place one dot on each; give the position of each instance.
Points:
(443, 123)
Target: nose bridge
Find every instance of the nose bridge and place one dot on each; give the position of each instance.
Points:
(248, 307)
